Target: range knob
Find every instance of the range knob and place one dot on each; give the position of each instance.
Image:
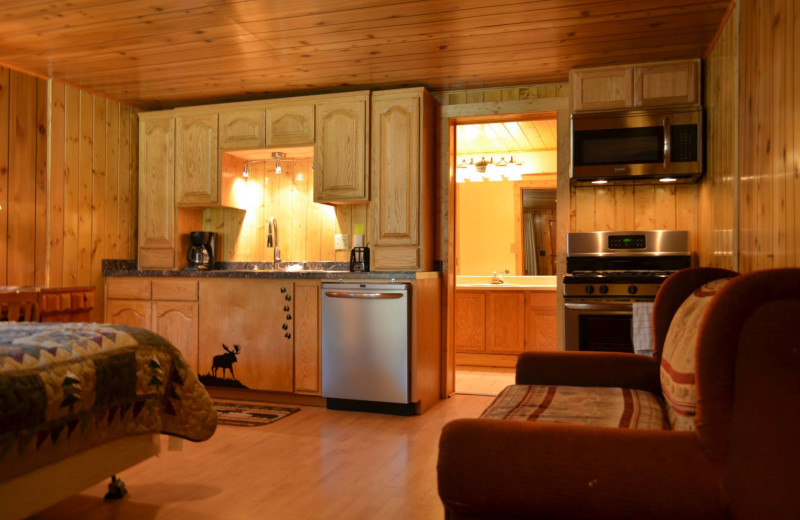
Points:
(632, 289)
(589, 289)
(603, 289)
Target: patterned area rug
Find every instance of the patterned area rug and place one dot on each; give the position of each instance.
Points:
(248, 414)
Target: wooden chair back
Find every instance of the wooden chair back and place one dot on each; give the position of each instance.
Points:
(19, 305)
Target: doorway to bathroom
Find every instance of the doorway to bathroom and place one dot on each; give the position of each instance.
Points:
(505, 240)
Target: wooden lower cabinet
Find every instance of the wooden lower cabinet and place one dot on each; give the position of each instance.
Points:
(246, 334)
(490, 324)
(470, 321)
(167, 307)
(307, 375)
(541, 321)
(505, 322)
(177, 321)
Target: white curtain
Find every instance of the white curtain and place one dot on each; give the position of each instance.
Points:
(529, 234)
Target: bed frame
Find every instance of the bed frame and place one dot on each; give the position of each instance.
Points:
(27, 494)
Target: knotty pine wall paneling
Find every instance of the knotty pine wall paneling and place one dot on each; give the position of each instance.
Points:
(305, 229)
(60, 219)
(23, 190)
(717, 198)
(769, 151)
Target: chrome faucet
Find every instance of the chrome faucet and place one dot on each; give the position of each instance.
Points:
(276, 259)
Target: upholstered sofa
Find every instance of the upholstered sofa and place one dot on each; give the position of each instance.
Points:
(724, 443)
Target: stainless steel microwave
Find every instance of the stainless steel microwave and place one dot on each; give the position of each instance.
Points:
(654, 145)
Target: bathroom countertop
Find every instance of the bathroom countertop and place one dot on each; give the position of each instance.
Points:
(510, 283)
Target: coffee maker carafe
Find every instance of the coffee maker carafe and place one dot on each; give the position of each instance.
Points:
(201, 250)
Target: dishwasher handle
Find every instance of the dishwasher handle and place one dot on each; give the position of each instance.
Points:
(364, 295)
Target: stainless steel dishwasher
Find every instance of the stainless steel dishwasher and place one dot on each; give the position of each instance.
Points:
(365, 347)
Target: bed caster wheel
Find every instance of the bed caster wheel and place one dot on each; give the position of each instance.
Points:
(116, 489)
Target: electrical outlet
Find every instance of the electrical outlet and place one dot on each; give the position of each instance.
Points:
(340, 242)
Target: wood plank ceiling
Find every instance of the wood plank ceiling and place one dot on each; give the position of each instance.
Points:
(160, 53)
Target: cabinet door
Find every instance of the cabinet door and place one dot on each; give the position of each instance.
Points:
(135, 313)
(245, 332)
(470, 321)
(177, 322)
(668, 83)
(306, 337)
(340, 151)
(601, 88)
(157, 231)
(505, 322)
(242, 129)
(540, 321)
(395, 150)
(290, 124)
(196, 178)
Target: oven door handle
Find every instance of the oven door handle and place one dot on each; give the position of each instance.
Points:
(621, 308)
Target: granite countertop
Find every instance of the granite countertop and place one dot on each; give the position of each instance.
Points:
(308, 270)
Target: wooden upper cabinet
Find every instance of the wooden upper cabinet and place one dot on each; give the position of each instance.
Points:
(290, 124)
(664, 83)
(669, 83)
(395, 171)
(603, 88)
(240, 129)
(157, 228)
(401, 206)
(196, 163)
(340, 150)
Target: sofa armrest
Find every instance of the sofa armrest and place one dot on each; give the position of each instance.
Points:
(516, 469)
(589, 369)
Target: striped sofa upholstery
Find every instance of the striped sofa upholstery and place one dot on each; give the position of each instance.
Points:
(706, 428)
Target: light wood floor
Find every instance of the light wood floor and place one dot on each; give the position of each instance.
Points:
(483, 380)
(314, 464)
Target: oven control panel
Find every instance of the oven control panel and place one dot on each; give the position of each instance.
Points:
(627, 242)
(639, 290)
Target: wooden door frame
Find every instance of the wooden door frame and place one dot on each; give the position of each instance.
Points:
(451, 115)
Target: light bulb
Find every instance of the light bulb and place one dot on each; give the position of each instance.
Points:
(278, 169)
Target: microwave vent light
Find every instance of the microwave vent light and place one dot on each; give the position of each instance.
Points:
(667, 179)
(600, 181)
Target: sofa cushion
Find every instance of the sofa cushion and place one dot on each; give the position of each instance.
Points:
(678, 358)
(590, 406)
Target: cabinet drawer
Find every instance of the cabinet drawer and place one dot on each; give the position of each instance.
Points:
(128, 289)
(395, 258)
(541, 299)
(175, 290)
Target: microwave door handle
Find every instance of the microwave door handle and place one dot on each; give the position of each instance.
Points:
(667, 143)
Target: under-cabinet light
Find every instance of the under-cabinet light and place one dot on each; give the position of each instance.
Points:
(667, 179)
(600, 181)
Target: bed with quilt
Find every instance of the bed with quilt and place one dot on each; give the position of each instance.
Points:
(82, 401)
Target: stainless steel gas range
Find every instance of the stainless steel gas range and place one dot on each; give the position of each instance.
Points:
(608, 273)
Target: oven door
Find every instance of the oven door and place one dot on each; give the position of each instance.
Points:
(598, 325)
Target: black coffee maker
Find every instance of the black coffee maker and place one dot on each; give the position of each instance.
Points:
(201, 251)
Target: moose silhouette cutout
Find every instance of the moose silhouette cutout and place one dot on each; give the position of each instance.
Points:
(225, 361)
